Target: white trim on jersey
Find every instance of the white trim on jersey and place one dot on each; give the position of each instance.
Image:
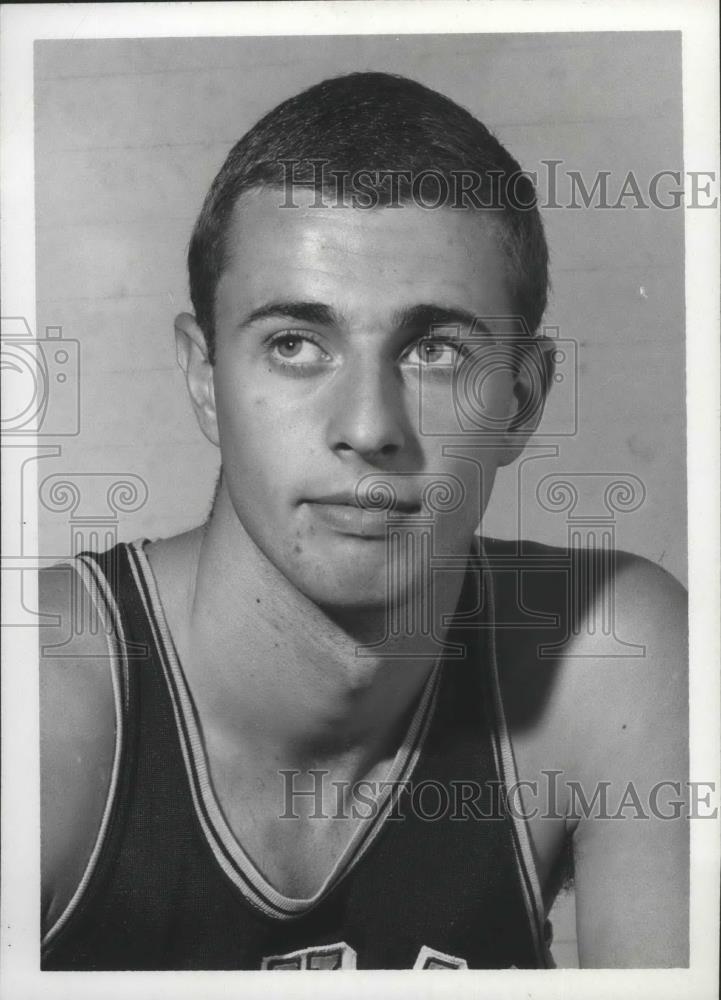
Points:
(507, 772)
(104, 603)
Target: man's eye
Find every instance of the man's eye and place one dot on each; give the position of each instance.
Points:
(298, 349)
(431, 353)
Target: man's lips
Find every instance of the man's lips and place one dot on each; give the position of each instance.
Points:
(379, 503)
(347, 514)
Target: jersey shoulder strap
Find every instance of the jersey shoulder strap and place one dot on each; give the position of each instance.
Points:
(110, 604)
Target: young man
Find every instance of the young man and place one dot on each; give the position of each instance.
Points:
(320, 741)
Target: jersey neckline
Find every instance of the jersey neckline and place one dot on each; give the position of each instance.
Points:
(232, 858)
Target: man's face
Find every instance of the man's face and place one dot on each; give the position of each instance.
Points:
(337, 357)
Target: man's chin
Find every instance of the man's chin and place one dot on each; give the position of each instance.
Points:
(363, 585)
(343, 590)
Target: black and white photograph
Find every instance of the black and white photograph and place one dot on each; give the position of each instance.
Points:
(360, 452)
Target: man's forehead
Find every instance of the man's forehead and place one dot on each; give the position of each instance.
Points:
(407, 254)
(268, 212)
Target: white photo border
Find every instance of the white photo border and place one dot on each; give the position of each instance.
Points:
(22, 24)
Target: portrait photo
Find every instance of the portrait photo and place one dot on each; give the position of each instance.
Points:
(352, 475)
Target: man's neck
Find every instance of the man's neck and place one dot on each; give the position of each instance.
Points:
(279, 679)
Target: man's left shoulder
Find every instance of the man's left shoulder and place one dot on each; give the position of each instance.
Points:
(592, 646)
(625, 682)
(637, 600)
(634, 571)
(592, 594)
(626, 673)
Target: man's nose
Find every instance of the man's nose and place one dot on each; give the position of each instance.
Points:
(367, 413)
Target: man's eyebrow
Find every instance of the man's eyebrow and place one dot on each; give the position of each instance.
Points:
(422, 318)
(413, 321)
(303, 312)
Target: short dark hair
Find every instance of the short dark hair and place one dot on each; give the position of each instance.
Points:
(372, 122)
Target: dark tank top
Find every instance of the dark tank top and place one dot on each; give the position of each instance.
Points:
(437, 875)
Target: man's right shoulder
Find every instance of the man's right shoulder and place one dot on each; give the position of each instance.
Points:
(77, 733)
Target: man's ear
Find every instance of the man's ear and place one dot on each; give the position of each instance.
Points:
(532, 380)
(192, 353)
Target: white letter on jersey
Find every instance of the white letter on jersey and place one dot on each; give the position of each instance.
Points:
(326, 956)
(429, 958)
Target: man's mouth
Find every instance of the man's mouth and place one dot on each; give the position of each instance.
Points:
(362, 516)
(370, 500)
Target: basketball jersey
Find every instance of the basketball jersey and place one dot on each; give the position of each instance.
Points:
(438, 874)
